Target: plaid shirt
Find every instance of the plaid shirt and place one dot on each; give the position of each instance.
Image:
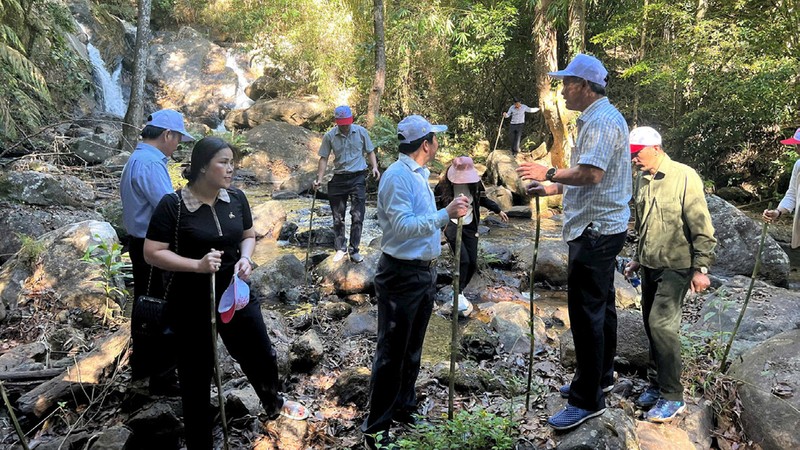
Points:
(602, 143)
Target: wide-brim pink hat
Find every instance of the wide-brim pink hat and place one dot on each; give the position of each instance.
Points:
(462, 171)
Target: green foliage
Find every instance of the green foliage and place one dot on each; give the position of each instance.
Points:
(30, 251)
(702, 350)
(175, 170)
(107, 257)
(384, 136)
(469, 430)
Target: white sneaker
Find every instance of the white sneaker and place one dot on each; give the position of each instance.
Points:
(339, 256)
(464, 306)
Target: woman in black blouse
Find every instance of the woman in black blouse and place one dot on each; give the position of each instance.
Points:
(461, 178)
(215, 235)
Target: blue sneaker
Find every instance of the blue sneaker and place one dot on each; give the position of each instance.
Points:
(648, 398)
(571, 417)
(665, 410)
(565, 389)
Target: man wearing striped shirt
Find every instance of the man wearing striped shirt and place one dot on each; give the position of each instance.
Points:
(596, 189)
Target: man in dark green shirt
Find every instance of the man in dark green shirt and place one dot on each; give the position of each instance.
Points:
(675, 250)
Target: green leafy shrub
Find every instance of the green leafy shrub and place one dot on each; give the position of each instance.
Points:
(469, 430)
(107, 257)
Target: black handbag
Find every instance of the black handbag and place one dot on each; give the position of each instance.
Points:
(149, 317)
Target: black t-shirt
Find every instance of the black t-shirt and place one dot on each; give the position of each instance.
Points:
(200, 231)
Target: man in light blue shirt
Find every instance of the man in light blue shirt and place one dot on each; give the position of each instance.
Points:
(517, 113)
(405, 281)
(144, 182)
(596, 188)
(349, 143)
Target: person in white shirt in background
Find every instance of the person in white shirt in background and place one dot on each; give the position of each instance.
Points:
(517, 114)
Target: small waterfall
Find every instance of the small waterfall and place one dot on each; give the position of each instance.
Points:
(108, 83)
(242, 100)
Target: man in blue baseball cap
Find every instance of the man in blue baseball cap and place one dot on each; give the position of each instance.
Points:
(349, 143)
(144, 182)
(405, 281)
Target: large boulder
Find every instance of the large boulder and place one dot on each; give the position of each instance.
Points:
(551, 261)
(613, 430)
(345, 277)
(769, 389)
(304, 112)
(58, 268)
(737, 243)
(281, 151)
(511, 322)
(95, 149)
(18, 222)
(44, 189)
(188, 72)
(275, 277)
(633, 348)
(770, 311)
(268, 218)
(501, 170)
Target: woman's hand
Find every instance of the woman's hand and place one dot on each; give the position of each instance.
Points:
(504, 216)
(243, 268)
(210, 262)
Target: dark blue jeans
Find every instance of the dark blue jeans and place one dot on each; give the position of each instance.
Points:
(340, 188)
(405, 303)
(515, 136)
(593, 315)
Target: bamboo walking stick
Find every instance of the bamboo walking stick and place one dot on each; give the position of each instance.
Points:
(454, 336)
(310, 226)
(531, 316)
(217, 374)
(13, 417)
(499, 129)
(756, 269)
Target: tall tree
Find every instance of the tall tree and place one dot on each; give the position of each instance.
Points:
(552, 105)
(379, 83)
(576, 32)
(133, 117)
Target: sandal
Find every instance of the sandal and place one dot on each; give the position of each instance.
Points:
(294, 410)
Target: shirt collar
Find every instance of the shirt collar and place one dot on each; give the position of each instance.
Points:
(339, 131)
(141, 146)
(593, 108)
(664, 168)
(193, 203)
(409, 161)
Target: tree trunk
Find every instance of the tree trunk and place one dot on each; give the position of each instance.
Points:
(576, 34)
(379, 83)
(133, 117)
(552, 105)
(642, 42)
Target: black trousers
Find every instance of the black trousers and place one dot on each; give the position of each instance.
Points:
(342, 187)
(469, 251)
(593, 315)
(152, 357)
(246, 338)
(515, 136)
(663, 291)
(405, 303)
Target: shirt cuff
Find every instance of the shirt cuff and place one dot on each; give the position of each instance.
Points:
(442, 217)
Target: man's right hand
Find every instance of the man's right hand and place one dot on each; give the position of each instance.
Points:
(317, 184)
(630, 268)
(458, 207)
(537, 188)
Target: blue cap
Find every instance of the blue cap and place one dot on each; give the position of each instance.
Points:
(415, 127)
(343, 115)
(170, 120)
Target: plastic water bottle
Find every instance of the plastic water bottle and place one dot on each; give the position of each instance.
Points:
(633, 279)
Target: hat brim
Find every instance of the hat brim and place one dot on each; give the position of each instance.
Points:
(185, 137)
(344, 121)
(561, 74)
(438, 128)
(636, 148)
(790, 141)
(463, 176)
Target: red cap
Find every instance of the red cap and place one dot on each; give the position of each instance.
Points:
(794, 140)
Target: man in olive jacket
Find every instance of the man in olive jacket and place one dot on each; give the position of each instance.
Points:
(675, 250)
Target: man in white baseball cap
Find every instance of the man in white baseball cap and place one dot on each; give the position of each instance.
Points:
(675, 249)
(596, 188)
(405, 282)
(144, 182)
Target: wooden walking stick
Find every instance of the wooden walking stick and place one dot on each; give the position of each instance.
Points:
(310, 225)
(454, 336)
(531, 315)
(13, 417)
(756, 269)
(217, 371)
(499, 129)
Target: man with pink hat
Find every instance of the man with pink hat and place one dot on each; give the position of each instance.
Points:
(461, 179)
(349, 143)
(675, 249)
(789, 204)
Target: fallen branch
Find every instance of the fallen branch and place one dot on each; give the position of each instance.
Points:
(30, 375)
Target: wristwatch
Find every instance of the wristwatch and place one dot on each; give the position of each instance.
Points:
(550, 174)
(703, 270)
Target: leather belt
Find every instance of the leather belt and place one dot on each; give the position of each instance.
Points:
(411, 262)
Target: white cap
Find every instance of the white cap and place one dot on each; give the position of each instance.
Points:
(584, 66)
(642, 137)
(415, 127)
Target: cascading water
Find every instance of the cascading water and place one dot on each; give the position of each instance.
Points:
(108, 83)
(242, 100)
